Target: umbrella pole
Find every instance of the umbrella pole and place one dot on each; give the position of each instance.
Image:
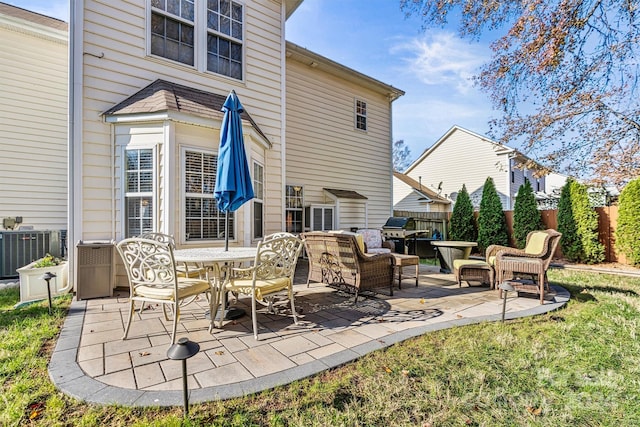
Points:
(226, 231)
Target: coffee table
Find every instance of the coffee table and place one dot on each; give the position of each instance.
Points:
(406, 261)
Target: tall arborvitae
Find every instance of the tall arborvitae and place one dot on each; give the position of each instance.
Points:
(628, 230)
(526, 216)
(462, 225)
(492, 224)
(570, 242)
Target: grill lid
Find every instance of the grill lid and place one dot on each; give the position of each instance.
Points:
(405, 223)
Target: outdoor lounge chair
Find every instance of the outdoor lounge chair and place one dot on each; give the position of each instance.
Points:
(532, 261)
(337, 260)
(153, 278)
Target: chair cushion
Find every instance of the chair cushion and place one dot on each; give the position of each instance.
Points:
(186, 287)
(492, 260)
(359, 239)
(536, 244)
(263, 287)
(372, 238)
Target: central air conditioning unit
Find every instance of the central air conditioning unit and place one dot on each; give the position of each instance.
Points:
(19, 248)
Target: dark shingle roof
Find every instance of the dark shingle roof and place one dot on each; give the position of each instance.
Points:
(345, 194)
(162, 95)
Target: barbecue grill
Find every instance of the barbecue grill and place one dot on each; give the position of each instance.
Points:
(403, 232)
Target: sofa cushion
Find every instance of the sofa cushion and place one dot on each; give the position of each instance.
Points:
(372, 238)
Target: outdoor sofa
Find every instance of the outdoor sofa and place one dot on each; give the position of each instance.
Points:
(337, 260)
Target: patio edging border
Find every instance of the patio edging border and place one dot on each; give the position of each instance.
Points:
(68, 377)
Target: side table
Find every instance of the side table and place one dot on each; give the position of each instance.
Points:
(406, 261)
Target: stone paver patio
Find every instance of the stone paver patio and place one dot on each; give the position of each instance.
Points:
(92, 363)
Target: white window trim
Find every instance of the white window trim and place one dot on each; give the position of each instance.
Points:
(356, 115)
(183, 200)
(122, 149)
(200, 41)
(260, 200)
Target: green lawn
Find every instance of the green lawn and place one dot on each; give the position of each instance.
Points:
(575, 367)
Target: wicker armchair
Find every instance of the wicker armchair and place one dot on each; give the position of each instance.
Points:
(532, 261)
(336, 259)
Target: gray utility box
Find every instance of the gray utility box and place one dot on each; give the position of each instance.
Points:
(95, 269)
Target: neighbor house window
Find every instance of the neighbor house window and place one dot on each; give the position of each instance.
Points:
(258, 201)
(361, 115)
(172, 30)
(293, 208)
(208, 37)
(139, 203)
(203, 220)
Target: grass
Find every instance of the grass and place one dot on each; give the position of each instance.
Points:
(576, 366)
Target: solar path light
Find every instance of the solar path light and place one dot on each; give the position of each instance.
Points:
(47, 277)
(183, 350)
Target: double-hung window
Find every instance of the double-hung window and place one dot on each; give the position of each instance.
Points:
(203, 220)
(224, 38)
(139, 200)
(207, 34)
(361, 115)
(258, 201)
(293, 209)
(173, 30)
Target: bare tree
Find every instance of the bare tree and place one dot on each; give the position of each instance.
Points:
(565, 75)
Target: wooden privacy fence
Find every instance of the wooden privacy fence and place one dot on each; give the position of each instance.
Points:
(607, 223)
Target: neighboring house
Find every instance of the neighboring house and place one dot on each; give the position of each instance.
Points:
(148, 84)
(464, 157)
(33, 118)
(410, 195)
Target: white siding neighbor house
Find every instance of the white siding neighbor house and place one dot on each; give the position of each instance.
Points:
(464, 157)
(149, 79)
(410, 195)
(33, 118)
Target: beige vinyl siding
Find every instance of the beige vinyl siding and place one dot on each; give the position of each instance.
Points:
(464, 158)
(324, 150)
(116, 66)
(33, 124)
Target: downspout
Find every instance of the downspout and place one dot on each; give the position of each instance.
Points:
(74, 132)
(283, 115)
(390, 98)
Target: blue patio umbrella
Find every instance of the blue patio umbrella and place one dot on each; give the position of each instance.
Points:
(233, 180)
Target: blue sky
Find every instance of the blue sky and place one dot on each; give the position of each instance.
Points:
(374, 38)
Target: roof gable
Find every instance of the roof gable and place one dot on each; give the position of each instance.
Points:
(498, 148)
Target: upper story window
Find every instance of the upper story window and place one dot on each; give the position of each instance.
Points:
(361, 115)
(172, 30)
(224, 38)
(207, 35)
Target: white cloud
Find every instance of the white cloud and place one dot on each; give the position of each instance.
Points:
(443, 59)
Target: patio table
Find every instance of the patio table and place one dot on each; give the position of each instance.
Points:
(450, 250)
(217, 260)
